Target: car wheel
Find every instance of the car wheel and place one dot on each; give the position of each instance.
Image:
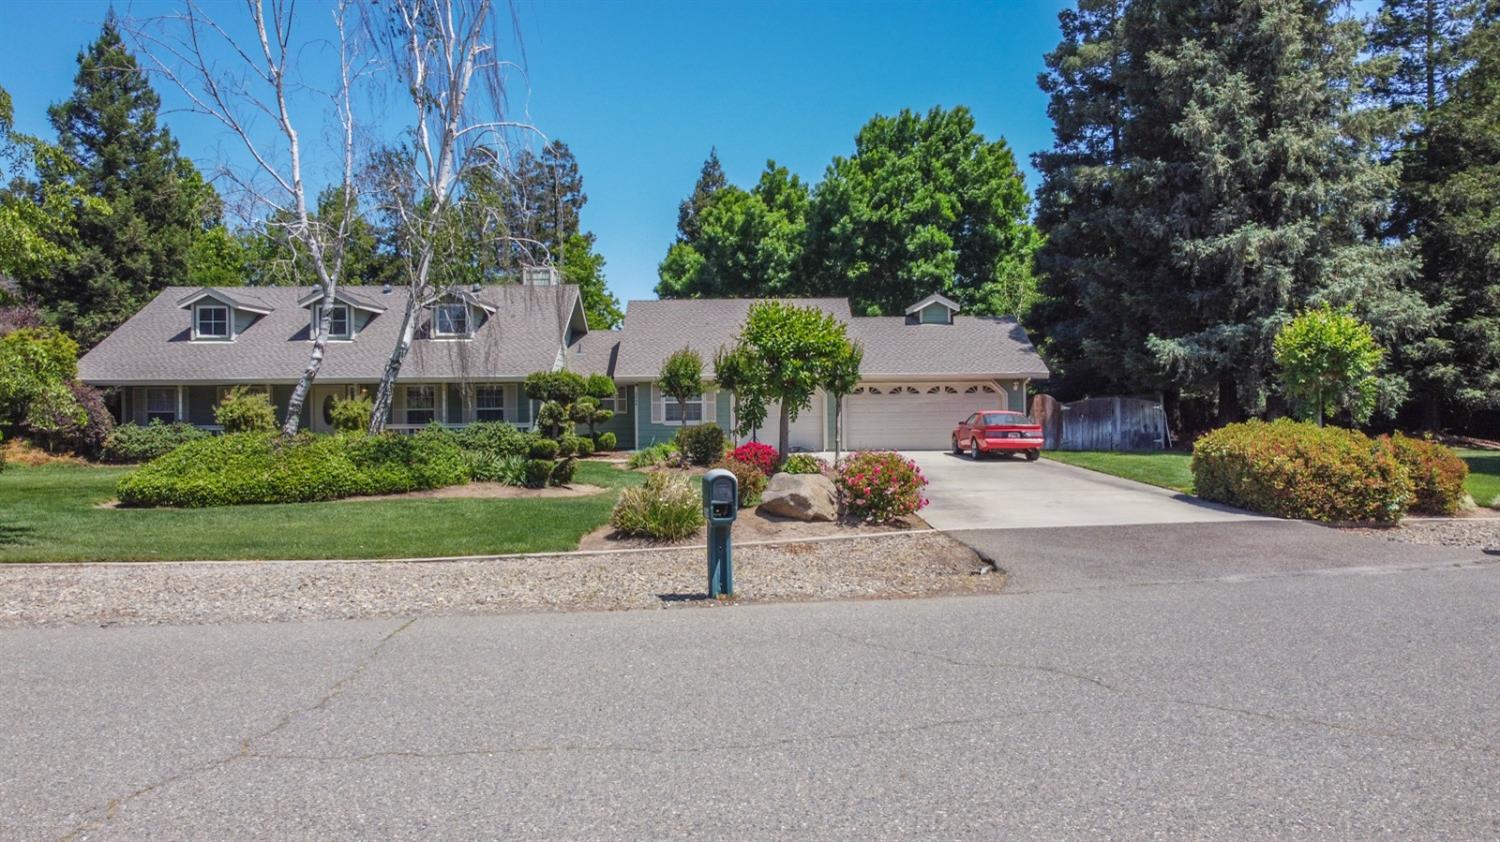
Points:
(1033, 455)
(974, 451)
(956, 449)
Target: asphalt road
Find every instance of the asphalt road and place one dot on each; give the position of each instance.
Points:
(1262, 695)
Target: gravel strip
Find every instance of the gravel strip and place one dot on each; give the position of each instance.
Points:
(1480, 532)
(157, 593)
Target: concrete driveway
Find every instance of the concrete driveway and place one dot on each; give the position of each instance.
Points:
(999, 493)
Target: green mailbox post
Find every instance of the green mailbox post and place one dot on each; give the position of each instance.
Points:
(721, 505)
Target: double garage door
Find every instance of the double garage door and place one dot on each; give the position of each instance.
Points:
(913, 416)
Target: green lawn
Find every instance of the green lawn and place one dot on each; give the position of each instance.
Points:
(51, 514)
(1484, 475)
(1170, 469)
(1167, 469)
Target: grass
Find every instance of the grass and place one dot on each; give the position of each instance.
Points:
(1169, 469)
(1165, 469)
(1484, 475)
(50, 513)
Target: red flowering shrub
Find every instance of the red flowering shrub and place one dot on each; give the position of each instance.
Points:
(760, 455)
(880, 486)
(1437, 474)
(1298, 470)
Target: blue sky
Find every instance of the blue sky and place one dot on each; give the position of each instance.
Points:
(642, 90)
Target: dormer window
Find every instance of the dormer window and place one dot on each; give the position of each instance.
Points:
(211, 321)
(450, 320)
(935, 309)
(338, 320)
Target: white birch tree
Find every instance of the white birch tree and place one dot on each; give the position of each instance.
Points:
(238, 82)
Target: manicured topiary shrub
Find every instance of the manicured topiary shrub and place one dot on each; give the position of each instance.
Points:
(574, 445)
(134, 443)
(544, 449)
(1437, 475)
(703, 444)
(759, 454)
(1299, 470)
(584, 446)
(243, 411)
(805, 463)
(667, 507)
(562, 472)
(752, 480)
(605, 441)
(538, 473)
(243, 468)
(351, 415)
(880, 487)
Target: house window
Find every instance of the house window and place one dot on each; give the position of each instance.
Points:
(450, 320)
(616, 404)
(338, 320)
(211, 321)
(669, 411)
(421, 404)
(161, 405)
(489, 403)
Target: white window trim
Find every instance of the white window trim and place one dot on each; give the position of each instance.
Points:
(406, 407)
(468, 321)
(659, 400)
(500, 387)
(317, 313)
(199, 335)
(618, 402)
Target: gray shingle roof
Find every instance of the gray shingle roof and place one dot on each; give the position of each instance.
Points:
(973, 346)
(657, 329)
(984, 346)
(524, 334)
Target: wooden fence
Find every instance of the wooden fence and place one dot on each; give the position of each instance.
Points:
(1102, 424)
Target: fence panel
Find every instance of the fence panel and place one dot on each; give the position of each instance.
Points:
(1113, 424)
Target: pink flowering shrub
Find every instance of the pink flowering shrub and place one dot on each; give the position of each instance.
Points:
(880, 487)
(762, 456)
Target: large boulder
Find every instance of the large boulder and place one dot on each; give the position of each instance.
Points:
(801, 496)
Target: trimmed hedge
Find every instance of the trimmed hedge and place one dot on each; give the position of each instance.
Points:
(1298, 470)
(134, 443)
(1437, 475)
(494, 438)
(246, 468)
(243, 411)
(703, 444)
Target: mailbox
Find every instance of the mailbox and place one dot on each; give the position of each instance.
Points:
(721, 505)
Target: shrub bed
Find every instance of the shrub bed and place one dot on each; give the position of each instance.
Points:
(243, 468)
(1299, 470)
(665, 508)
(759, 454)
(1437, 475)
(880, 487)
(134, 443)
(656, 454)
(805, 463)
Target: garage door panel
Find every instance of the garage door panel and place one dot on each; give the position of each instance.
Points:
(912, 416)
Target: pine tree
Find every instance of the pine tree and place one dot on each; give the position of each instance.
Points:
(1244, 186)
(157, 203)
(1425, 50)
(710, 181)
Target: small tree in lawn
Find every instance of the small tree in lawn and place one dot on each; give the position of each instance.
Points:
(737, 370)
(795, 349)
(843, 377)
(681, 378)
(1328, 360)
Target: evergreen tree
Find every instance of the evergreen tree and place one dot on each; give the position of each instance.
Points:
(157, 202)
(710, 181)
(1244, 186)
(584, 267)
(925, 204)
(545, 198)
(1424, 51)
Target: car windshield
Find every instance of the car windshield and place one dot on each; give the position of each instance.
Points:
(994, 419)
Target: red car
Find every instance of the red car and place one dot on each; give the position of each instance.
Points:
(998, 431)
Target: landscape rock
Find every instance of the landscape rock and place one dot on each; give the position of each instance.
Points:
(801, 496)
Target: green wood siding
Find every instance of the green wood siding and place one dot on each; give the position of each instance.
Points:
(654, 433)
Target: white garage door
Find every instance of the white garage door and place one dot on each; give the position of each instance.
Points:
(803, 434)
(912, 416)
